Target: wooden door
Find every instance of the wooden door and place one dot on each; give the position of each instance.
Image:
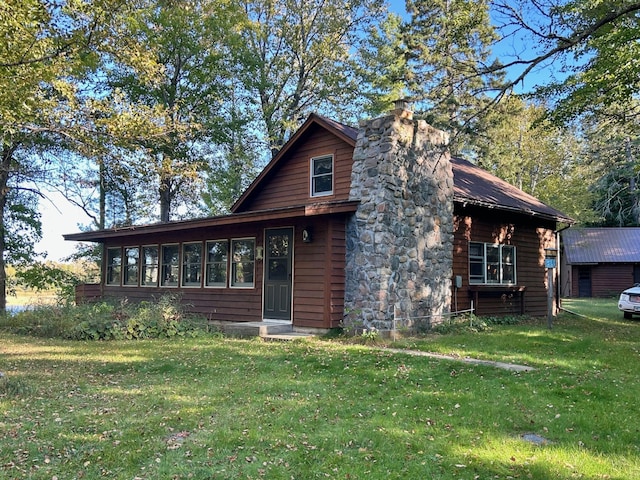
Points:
(584, 282)
(278, 258)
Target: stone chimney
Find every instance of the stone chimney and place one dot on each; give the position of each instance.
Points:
(400, 241)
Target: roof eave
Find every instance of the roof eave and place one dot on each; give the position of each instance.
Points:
(325, 208)
(529, 212)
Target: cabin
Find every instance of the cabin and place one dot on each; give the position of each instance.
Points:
(599, 262)
(375, 226)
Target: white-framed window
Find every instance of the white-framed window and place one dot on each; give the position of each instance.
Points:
(114, 266)
(170, 265)
(192, 264)
(217, 263)
(322, 176)
(242, 262)
(492, 264)
(132, 266)
(150, 259)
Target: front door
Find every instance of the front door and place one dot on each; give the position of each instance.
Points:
(277, 264)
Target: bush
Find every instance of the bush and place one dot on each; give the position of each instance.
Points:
(107, 321)
(473, 323)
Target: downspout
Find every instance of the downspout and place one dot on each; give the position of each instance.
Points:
(559, 265)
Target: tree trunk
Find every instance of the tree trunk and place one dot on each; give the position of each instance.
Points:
(5, 167)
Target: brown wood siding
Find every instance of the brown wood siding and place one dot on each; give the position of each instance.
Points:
(476, 225)
(216, 304)
(318, 280)
(289, 183)
(607, 280)
(319, 274)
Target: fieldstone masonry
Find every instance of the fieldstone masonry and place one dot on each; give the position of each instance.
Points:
(400, 241)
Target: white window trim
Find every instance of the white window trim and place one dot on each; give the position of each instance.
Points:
(232, 263)
(501, 268)
(207, 263)
(312, 160)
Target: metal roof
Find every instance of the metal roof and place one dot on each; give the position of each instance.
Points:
(475, 186)
(601, 245)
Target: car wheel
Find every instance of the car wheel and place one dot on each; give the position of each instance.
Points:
(628, 315)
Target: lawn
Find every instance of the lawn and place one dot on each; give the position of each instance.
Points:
(220, 408)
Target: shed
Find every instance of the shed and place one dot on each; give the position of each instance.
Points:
(599, 262)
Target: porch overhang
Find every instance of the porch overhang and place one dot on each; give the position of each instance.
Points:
(297, 211)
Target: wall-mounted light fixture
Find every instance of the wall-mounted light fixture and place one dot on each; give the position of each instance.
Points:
(307, 235)
(259, 253)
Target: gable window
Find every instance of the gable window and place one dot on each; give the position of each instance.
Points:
(492, 264)
(242, 262)
(114, 266)
(170, 265)
(217, 253)
(322, 176)
(191, 264)
(149, 266)
(132, 256)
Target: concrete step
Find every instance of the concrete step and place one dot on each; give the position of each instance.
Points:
(256, 329)
(286, 337)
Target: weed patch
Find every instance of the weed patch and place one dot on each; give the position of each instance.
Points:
(163, 318)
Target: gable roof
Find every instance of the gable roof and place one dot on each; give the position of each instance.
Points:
(475, 186)
(472, 184)
(345, 132)
(601, 245)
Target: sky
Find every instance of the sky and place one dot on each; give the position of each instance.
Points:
(58, 217)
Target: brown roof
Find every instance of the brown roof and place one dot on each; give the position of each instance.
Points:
(472, 186)
(475, 186)
(601, 245)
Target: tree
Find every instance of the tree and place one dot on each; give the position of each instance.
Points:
(383, 65)
(524, 148)
(590, 46)
(181, 104)
(613, 148)
(47, 56)
(447, 42)
(302, 60)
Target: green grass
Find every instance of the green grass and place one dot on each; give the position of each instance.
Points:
(216, 408)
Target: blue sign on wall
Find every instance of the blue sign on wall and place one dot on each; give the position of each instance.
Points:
(549, 263)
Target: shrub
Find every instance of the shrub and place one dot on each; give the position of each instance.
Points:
(107, 321)
(473, 323)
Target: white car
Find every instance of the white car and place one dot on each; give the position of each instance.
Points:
(629, 302)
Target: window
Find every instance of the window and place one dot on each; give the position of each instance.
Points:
(170, 265)
(114, 266)
(150, 266)
(191, 264)
(132, 256)
(217, 253)
(322, 176)
(492, 264)
(242, 262)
